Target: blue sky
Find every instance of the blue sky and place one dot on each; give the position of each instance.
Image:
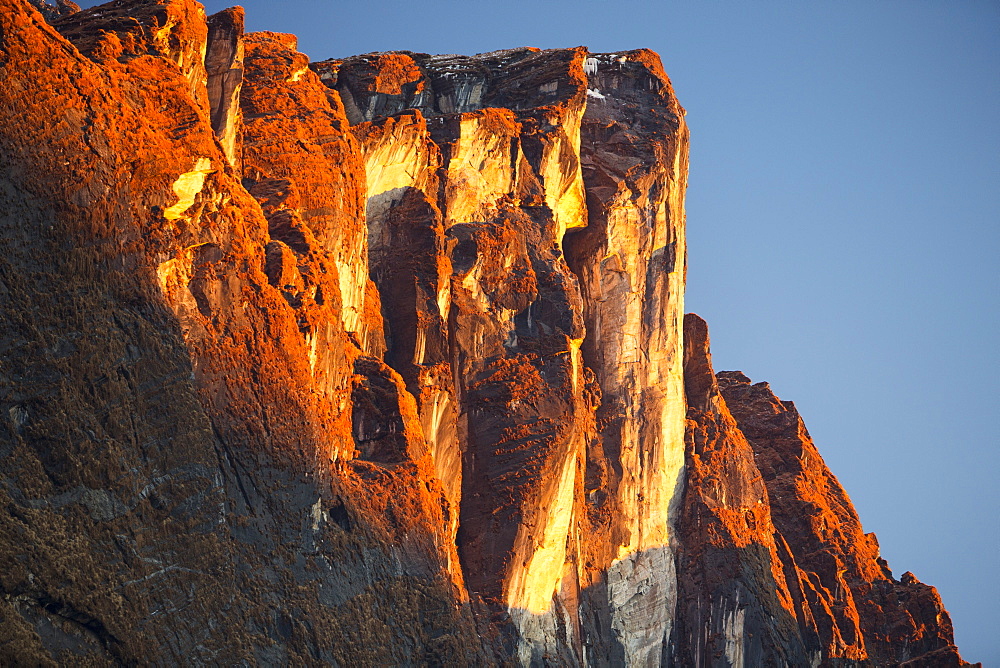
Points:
(843, 224)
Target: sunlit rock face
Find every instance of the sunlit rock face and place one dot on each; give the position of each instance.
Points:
(773, 566)
(203, 462)
(380, 361)
(411, 268)
(125, 30)
(849, 605)
(224, 69)
(467, 208)
(631, 262)
(295, 131)
(562, 523)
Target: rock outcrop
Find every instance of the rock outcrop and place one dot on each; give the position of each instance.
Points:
(858, 610)
(201, 461)
(774, 567)
(511, 338)
(381, 361)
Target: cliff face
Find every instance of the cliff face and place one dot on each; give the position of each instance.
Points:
(381, 361)
(202, 463)
(774, 566)
(516, 311)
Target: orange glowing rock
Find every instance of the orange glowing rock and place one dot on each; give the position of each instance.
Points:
(774, 567)
(380, 361)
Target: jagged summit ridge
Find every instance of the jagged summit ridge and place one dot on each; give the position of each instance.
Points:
(380, 361)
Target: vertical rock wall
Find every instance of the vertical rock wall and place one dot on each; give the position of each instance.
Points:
(567, 499)
(631, 262)
(379, 361)
(224, 69)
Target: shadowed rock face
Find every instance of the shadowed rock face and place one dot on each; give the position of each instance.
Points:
(379, 361)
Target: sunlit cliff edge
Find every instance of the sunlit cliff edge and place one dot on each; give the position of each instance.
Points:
(383, 361)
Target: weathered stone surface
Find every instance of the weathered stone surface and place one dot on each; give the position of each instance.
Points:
(378, 361)
(224, 69)
(484, 315)
(860, 612)
(168, 487)
(292, 132)
(631, 261)
(511, 185)
(127, 29)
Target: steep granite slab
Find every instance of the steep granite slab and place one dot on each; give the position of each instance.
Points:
(631, 262)
(410, 265)
(514, 163)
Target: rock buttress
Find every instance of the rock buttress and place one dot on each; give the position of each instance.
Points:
(170, 488)
(631, 262)
(295, 132)
(859, 611)
(736, 604)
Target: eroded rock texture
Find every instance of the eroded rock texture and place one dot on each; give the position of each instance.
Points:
(379, 361)
(200, 461)
(555, 311)
(774, 567)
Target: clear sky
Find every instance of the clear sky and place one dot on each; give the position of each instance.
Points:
(843, 225)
